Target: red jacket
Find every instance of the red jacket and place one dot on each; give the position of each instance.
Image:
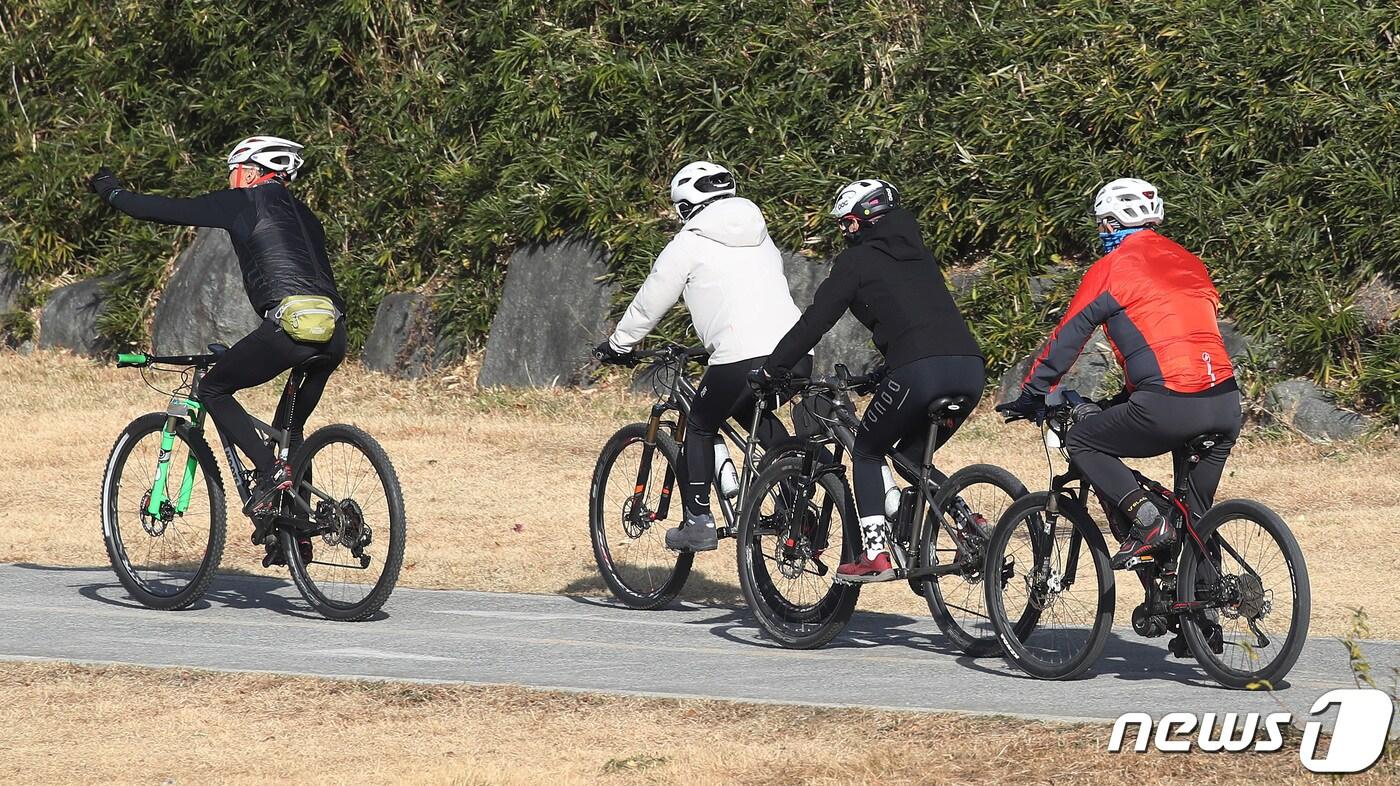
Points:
(1158, 307)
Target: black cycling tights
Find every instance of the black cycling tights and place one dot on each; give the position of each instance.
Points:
(254, 360)
(898, 415)
(724, 392)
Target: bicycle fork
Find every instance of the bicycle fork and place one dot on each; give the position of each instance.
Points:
(668, 483)
(179, 409)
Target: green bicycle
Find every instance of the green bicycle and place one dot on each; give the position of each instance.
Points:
(339, 529)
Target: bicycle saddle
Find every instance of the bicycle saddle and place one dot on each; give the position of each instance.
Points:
(315, 360)
(217, 349)
(947, 406)
(1205, 442)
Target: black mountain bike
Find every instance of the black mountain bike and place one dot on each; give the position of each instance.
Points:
(798, 523)
(630, 502)
(1235, 587)
(339, 528)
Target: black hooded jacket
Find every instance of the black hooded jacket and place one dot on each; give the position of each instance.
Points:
(280, 244)
(892, 284)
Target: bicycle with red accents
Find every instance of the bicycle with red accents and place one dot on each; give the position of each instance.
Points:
(1233, 590)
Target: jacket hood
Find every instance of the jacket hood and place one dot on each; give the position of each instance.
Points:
(733, 221)
(897, 235)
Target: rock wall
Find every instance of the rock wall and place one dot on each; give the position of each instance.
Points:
(69, 318)
(403, 340)
(848, 342)
(553, 311)
(204, 301)
(10, 281)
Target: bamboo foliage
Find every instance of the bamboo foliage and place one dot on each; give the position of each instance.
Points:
(441, 135)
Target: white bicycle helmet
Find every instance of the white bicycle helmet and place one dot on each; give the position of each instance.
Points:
(697, 184)
(865, 199)
(1130, 202)
(269, 152)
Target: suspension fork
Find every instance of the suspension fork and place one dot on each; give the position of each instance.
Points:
(668, 483)
(806, 482)
(194, 410)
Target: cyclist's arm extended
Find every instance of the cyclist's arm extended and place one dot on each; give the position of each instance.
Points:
(215, 209)
(832, 299)
(658, 293)
(1092, 305)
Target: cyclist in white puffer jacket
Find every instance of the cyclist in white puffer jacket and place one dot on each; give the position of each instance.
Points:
(726, 267)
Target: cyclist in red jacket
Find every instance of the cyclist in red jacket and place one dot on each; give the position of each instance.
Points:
(1157, 305)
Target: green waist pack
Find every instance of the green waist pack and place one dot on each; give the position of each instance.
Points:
(307, 317)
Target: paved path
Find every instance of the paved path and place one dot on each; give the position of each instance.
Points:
(582, 644)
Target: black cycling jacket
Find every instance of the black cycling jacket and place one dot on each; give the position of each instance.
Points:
(280, 243)
(892, 284)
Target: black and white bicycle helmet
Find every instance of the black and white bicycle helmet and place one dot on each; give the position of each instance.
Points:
(698, 184)
(269, 152)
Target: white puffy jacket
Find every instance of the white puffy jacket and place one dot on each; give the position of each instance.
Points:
(731, 276)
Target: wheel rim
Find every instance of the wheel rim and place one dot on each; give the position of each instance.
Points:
(1247, 603)
(163, 554)
(974, 512)
(1036, 577)
(632, 540)
(350, 551)
(793, 593)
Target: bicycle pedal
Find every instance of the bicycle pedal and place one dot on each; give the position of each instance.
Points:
(1134, 563)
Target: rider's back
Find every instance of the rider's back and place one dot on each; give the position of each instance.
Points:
(286, 245)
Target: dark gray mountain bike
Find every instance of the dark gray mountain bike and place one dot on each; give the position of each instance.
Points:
(339, 529)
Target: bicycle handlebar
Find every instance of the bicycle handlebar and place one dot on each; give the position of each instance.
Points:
(142, 360)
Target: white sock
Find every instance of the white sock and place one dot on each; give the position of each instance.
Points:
(872, 528)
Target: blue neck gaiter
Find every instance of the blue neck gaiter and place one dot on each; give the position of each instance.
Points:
(1111, 240)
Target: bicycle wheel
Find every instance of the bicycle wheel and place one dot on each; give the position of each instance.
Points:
(970, 502)
(164, 561)
(1251, 586)
(1057, 565)
(790, 587)
(347, 566)
(629, 535)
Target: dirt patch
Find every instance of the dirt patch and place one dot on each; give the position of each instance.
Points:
(78, 724)
(496, 484)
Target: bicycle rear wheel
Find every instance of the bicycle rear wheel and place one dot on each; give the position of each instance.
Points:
(789, 586)
(1252, 588)
(348, 565)
(970, 502)
(165, 561)
(1055, 564)
(625, 521)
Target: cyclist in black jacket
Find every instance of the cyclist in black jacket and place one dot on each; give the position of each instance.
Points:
(281, 250)
(892, 284)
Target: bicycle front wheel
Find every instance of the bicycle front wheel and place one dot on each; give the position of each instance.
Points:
(1054, 566)
(955, 534)
(1249, 593)
(788, 583)
(630, 503)
(165, 560)
(346, 565)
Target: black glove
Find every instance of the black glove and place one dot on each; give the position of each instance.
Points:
(104, 183)
(763, 381)
(1028, 406)
(606, 354)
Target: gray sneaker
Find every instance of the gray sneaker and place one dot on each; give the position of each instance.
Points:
(696, 533)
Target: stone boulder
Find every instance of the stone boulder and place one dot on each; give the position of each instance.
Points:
(1311, 410)
(1238, 344)
(848, 342)
(69, 317)
(1095, 374)
(403, 340)
(553, 311)
(1379, 304)
(10, 282)
(204, 302)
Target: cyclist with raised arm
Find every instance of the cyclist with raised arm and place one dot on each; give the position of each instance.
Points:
(281, 250)
(726, 267)
(890, 281)
(1157, 305)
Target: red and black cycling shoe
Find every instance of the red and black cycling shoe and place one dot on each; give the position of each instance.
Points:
(267, 488)
(1143, 543)
(865, 569)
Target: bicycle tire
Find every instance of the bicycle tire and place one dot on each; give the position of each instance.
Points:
(970, 642)
(792, 627)
(1301, 607)
(1018, 650)
(111, 527)
(306, 584)
(658, 594)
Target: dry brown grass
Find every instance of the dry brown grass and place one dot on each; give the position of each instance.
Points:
(497, 484)
(81, 724)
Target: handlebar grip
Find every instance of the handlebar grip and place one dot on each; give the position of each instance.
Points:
(130, 359)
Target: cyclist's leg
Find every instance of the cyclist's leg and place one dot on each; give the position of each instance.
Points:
(1098, 444)
(314, 384)
(954, 375)
(1220, 413)
(714, 397)
(254, 360)
(770, 429)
